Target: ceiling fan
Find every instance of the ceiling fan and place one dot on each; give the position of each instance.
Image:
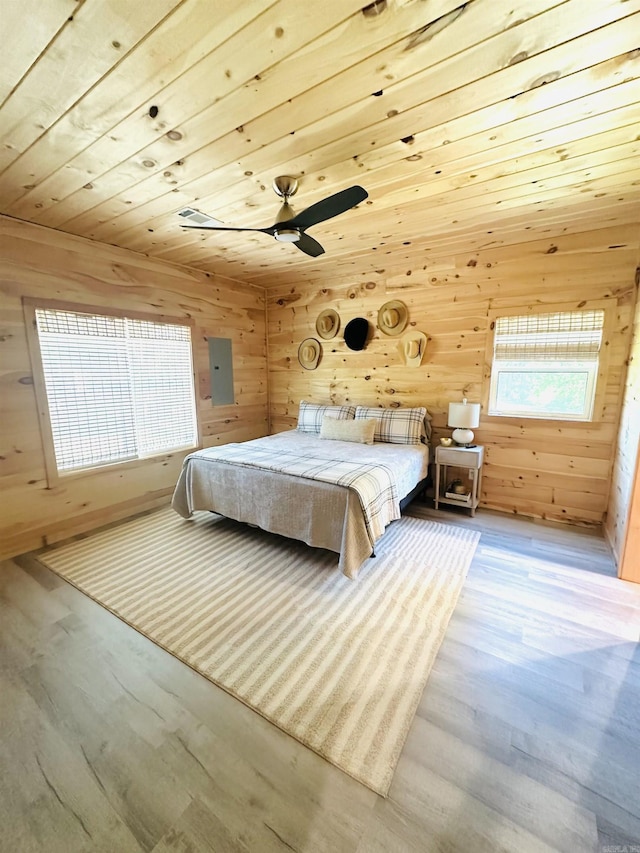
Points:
(290, 227)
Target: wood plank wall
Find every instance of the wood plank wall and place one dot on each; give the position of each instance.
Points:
(626, 452)
(545, 469)
(40, 262)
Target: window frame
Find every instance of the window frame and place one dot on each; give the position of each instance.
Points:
(523, 310)
(53, 475)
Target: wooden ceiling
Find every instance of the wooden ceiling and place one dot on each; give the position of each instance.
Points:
(469, 125)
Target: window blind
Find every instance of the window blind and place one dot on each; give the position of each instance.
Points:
(563, 336)
(117, 388)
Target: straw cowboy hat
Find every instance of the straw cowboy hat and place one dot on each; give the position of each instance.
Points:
(309, 353)
(328, 323)
(413, 346)
(393, 317)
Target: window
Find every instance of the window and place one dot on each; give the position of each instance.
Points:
(546, 365)
(117, 388)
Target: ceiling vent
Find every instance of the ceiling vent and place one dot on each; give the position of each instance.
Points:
(194, 217)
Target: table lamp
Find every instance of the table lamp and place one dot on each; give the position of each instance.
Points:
(463, 416)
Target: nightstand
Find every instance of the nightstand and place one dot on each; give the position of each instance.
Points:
(470, 458)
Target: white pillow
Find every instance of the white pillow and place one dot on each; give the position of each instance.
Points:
(396, 426)
(310, 415)
(360, 431)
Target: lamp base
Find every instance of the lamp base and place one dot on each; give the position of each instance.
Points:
(462, 437)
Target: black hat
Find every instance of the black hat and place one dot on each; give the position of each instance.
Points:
(356, 332)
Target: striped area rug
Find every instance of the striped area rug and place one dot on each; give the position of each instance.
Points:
(338, 664)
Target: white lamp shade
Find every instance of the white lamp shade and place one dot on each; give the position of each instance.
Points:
(464, 415)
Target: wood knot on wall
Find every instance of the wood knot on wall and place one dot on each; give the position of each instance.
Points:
(283, 301)
(361, 289)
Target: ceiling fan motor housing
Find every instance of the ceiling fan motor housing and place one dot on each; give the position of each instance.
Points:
(286, 235)
(286, 186)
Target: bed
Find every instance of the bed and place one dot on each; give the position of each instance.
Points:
(281, 484)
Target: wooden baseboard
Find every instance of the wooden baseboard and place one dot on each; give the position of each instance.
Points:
(33, 540)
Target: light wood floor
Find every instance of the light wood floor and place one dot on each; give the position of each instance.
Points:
(527, 737)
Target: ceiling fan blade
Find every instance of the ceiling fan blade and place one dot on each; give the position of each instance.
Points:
(329, 207)
(309, 246)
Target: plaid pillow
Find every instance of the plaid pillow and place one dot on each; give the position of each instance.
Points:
(396, 426)
(310, 415)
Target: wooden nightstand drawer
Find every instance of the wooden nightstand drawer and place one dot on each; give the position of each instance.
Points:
(463, 457)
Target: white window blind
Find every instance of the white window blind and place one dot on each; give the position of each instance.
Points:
(117, 388)
(565, 336)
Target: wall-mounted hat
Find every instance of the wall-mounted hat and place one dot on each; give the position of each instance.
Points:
(309, 353)
(413, 346)
(393, 317)
(328, 323)
(356, 332)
